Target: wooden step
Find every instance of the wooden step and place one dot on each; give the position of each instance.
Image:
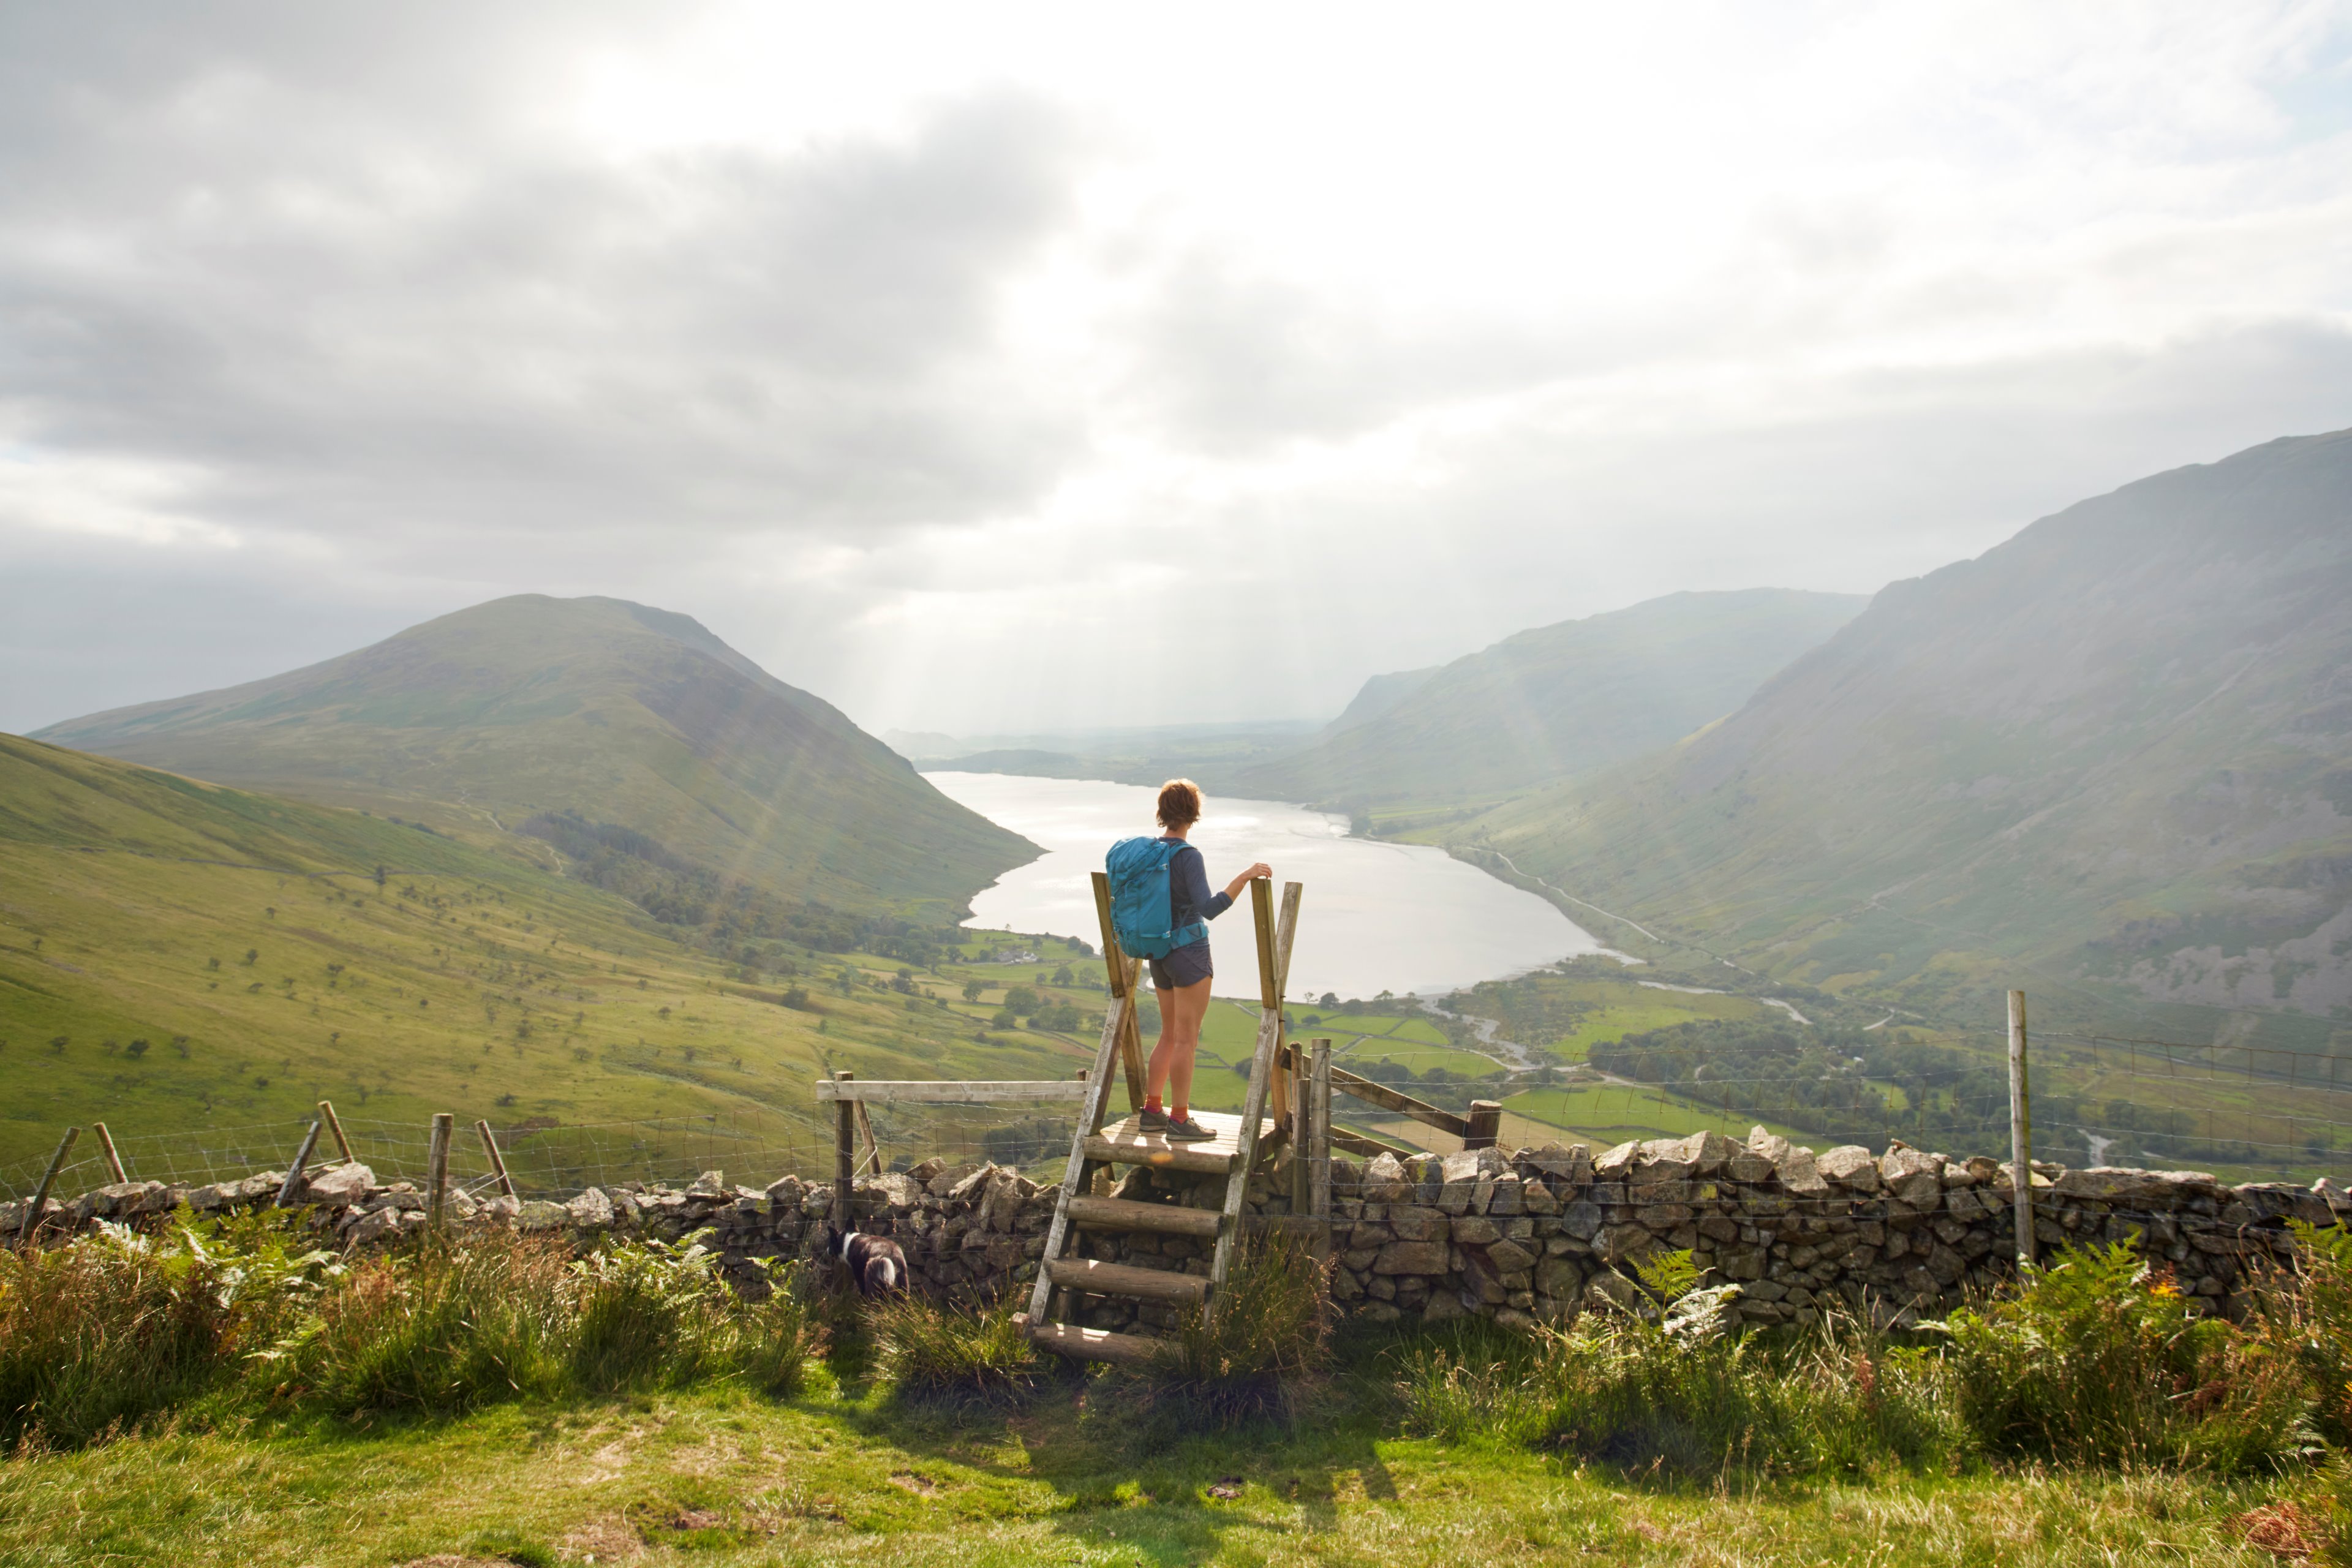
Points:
(1100, 1278)
(1092, 1344)
(1126, 1214)
(1125, 1143)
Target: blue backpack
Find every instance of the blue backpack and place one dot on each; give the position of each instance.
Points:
(1139, 905)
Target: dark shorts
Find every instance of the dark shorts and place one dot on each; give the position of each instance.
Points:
(1188, 965)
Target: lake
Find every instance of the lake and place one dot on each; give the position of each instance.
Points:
(1375, 916)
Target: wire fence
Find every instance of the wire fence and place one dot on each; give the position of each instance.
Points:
(2244, 1112)
(550, 1160)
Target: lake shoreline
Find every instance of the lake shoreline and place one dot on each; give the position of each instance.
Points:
(1411, 920)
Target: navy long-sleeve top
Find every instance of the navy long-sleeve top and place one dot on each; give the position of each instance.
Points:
(1189, 898)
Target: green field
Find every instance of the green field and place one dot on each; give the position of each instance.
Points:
(199, 966)
(841, 1475)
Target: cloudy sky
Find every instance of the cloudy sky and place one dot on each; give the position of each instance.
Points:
(996, 368)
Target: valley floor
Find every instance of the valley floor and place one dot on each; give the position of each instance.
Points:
(841, 1476)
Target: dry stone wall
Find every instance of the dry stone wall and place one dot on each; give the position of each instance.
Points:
(1538, 1235)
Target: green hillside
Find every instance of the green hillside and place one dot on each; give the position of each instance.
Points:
(619, 714)
(2111, 758)
(1554, 702)
(197, 965)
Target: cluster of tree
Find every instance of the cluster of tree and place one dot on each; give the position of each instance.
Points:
(718, 913)
(1024, 1006)
(1531, 1011)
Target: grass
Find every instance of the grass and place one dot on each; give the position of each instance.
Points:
(219, 959)
(1622, 1439)
(843, 1474)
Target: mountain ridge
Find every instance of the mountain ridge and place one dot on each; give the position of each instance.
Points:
(2110, 751)
(1553, 700)
(621, 712)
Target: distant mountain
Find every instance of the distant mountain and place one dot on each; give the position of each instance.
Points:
(2113, 754)
(611, 711)
(1378, 696)
(1554, 702)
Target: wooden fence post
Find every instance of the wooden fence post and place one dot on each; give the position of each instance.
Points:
(2021, 1129)
(33, 1214)
(1318, 1149)
(294, 1172)
(437, 1167)
(1302, 1130)
(844, 1137)
(1485, 1124)
(489, 1147)
(106, 1147)
(335, 1128)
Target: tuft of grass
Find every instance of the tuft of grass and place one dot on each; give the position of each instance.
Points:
(2308, 1314)
(776, 1337)
(443, 1324)
(100, 1335)
(951, 1354)
(1255, 1353)
(2098, 1359)
(651, 1315)
(1680, 1396)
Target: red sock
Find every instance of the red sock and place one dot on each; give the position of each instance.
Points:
(1151, 1102)
(1178, 1115)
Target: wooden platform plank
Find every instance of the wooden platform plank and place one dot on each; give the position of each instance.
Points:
(1092, 1344)
(1100, 1278)
(1125, 1143)
(1125, 1213)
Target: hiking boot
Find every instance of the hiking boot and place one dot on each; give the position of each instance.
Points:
(1150, 1120)
(1184, 1130)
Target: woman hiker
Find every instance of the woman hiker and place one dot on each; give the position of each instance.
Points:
(1181, 979)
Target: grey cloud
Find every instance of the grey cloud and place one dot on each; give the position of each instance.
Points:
(346, 319)
(1231, 360)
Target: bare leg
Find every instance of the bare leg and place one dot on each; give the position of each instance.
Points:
(1187, 1006)
(1163, 1050)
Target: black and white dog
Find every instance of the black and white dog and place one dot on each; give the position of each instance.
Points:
(875, 1262)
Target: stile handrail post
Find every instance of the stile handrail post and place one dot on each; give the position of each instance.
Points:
(34, 1211)
(1122, 973)
(1483, 1125)
(2021, 1131)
